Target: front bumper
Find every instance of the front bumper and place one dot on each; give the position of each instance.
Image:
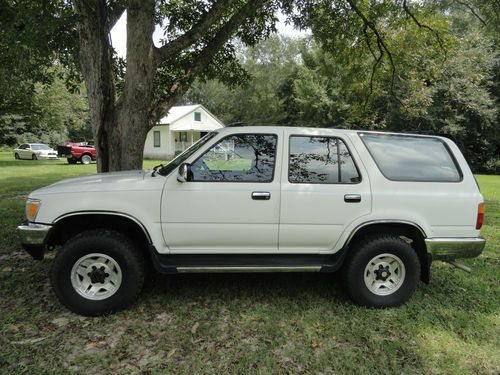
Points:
(34, 238)
(455, 248)
(47, 157)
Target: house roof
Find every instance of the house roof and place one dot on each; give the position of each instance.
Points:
(178, 112)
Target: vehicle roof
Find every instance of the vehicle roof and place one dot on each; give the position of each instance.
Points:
(298, 129)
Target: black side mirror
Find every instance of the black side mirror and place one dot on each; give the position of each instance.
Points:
(184, 173)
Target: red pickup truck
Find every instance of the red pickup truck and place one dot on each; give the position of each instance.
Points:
(83, 152)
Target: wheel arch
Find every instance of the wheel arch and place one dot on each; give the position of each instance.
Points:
(70, 224)
(401, 228)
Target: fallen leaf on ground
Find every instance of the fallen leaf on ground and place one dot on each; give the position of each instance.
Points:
(171, 353)
(195, 327)
(60, 322)
(29, 341)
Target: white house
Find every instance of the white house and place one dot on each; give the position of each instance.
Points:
(183, 126)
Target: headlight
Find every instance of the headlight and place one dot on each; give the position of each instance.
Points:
(32, 207)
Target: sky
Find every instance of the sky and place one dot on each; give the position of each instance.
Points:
(119, 33)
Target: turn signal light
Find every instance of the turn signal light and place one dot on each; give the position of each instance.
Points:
(480, 216)
(32, 207)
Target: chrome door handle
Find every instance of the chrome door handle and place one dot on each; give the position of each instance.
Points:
(352, 198)
(261, 195)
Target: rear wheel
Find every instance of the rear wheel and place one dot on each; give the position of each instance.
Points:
(33, 157)
(97, 272)
(71, 160)
(382, 271)
(86, 159)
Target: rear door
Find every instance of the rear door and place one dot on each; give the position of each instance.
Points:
(324, 188)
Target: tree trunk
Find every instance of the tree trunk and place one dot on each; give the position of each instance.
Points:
(119, 126)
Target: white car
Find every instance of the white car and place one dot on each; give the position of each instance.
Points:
(379, 207)
(35, 151)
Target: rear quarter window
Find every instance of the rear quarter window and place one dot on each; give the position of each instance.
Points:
(412, 158)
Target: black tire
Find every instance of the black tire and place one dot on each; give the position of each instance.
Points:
(358, 261)
(72, 160)
(112, 244)
(16, 156)
(33, 157)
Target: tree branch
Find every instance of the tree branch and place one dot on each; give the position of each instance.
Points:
(424, 26)
(115, 10)
(378, 59)
(471, 10)
(203, 59)
(380, 41)
(195, 33)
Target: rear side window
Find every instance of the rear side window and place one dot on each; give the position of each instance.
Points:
(320, 160)
(407, 158)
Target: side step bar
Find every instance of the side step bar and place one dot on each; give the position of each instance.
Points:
(244, 269)
(240, 263)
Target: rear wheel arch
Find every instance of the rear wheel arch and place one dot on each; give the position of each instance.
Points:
(412, 232)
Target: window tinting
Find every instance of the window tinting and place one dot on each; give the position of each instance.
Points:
(156, 136)
(407, 158)
(238, 158)
(320, 160)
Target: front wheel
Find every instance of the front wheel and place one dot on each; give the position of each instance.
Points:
(97, 272)
(34, 157)
(382, 271)
(16, 156)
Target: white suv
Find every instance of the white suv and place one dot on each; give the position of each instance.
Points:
(379, 207)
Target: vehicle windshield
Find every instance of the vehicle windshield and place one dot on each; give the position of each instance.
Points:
(186, 154)
(39, 147)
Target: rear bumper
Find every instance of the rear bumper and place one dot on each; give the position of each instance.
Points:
(455, 248)
(47, 157)
(34, 238)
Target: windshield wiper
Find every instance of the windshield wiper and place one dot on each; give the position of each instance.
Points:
(155, 169)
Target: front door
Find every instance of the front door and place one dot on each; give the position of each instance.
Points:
(323, 190)
(231, 203)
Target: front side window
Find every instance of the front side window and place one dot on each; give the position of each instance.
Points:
(238, 158)
(412, 158)
(320, 160)
(156, 138)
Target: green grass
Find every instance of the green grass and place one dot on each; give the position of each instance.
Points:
(244, 324)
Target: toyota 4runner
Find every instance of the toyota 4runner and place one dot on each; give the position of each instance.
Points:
(378, 207)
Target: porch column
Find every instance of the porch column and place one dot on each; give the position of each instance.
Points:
(192, 137)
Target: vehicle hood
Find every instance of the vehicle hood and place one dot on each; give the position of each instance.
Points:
(101, 182)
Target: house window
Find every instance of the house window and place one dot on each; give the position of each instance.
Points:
(184, 136)
(156, 138)
(197, 116)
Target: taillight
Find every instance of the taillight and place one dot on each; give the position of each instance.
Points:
(480, 216)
